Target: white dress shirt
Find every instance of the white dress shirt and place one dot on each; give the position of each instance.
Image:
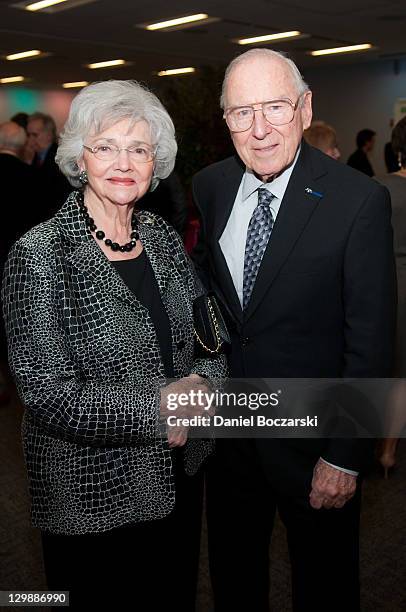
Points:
(234, 236)
(233, 239)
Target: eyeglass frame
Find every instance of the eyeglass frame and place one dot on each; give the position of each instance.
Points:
(119, 149)
(227, 111)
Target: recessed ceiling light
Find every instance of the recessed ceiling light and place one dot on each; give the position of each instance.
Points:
(348, 49)
(49, 6)
(23, 54)
(174, 71)
(177, 21)
(37, 6)
(75, 84)
(117, 62)
(13, 79)
(267, 37)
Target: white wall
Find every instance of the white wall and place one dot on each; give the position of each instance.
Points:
(355, 97)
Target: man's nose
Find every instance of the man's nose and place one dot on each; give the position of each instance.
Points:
(260, 127)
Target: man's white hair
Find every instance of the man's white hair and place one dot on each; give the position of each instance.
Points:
(300, 84)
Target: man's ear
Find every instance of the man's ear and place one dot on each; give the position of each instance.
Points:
(306, 110)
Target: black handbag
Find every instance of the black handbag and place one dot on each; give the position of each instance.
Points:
(211, 333)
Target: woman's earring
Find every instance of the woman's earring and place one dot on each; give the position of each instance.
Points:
(400, 160)
(83, 177)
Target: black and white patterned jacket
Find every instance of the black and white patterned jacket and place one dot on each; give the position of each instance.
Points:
(86, 360)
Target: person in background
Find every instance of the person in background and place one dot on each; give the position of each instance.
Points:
(28, 151)
(323, 137)
(16, 184)
(391, 161)
(359, 159)
(98, 304)
(298, 249)
(21, 119)
(19, 192)
(13, 177)
(42, 139)
(396, 184)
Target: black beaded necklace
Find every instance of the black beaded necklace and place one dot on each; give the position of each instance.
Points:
(100, 235)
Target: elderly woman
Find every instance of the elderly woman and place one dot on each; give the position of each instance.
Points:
(98, 310)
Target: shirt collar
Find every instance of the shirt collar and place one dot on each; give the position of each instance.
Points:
(277, 187)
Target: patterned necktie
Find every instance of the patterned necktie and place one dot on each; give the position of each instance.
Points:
(258, 233)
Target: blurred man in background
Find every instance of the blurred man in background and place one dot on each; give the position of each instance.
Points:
(359, 159)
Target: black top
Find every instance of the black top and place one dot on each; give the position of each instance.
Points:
(139, 277)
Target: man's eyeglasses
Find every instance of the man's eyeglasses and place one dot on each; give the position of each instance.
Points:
(140, 152)
(276, 112)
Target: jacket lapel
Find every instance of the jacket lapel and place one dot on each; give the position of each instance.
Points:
(296, 210)
(88, 258)
(226, 194)
(158, 255)
(82, 252)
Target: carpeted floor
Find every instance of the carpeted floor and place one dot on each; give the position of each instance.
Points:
(383, 534)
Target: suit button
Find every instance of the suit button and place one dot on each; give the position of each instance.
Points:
(245, 340)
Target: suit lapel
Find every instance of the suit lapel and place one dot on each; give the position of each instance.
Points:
(296, 210)
(226, 194)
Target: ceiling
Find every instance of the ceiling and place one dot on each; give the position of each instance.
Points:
(106, 29)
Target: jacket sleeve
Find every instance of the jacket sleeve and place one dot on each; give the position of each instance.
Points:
(369, 297)
(55, 392)
(369, 290)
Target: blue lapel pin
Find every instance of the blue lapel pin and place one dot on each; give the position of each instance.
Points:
(316, 194)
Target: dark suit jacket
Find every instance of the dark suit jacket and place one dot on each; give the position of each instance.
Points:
(56, 185)
(87, 364)
(323, 304)
(19, 193)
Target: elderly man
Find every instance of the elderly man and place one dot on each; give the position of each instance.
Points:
(298, 248)
(41, 130)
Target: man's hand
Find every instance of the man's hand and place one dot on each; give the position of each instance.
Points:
(331, 488)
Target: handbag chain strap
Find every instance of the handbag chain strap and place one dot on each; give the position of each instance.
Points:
(216, 331)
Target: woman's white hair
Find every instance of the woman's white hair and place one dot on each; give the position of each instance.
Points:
(300, 84)
(101, 105)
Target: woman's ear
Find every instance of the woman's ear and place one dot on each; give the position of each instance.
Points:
(81, 163)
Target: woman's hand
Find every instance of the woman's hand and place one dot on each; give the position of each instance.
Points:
(193, 387)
